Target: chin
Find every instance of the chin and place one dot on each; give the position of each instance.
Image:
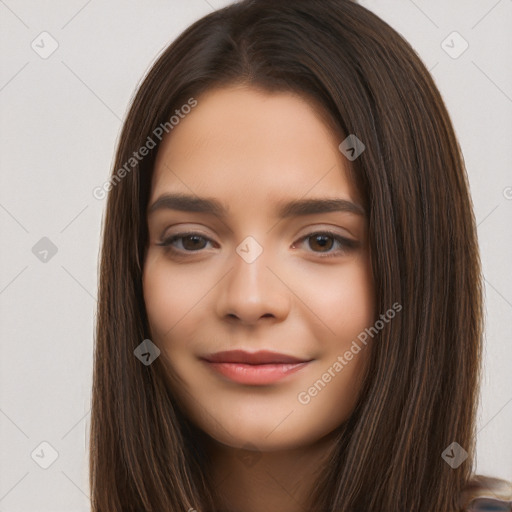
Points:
(256, 440)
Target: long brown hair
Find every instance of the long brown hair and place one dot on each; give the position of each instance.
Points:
(421, 391)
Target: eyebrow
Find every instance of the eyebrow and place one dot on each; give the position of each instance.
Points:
(188, 203)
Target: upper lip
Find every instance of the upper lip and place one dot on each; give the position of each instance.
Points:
(261, 357)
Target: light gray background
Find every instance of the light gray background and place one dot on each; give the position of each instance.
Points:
(61, 117)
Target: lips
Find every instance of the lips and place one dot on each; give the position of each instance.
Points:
(261, 357)
(256, 368)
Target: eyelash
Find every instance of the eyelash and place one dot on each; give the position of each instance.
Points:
(347, 245)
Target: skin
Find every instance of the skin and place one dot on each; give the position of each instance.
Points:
(252, 150)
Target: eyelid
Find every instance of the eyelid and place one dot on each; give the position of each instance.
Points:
(309, 231)
(334, 231)
(347, 244)
(165, 242)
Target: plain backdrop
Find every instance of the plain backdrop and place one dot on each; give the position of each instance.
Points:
(61, 116)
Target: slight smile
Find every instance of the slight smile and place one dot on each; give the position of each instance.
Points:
(254, 368)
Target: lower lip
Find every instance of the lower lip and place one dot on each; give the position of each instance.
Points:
(256, 374)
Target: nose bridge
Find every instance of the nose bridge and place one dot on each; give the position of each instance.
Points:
(252, 291)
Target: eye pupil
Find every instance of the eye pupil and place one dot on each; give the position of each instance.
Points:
(325, 241)
(195, 245)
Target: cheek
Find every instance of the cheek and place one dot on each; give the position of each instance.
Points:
(171, 295)
(343, 298)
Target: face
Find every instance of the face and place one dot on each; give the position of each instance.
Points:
(266, 265)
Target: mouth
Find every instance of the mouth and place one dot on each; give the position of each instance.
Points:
(256, 368)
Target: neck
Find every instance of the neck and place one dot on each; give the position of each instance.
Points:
(247, 480)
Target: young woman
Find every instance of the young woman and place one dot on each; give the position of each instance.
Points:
(290, 299)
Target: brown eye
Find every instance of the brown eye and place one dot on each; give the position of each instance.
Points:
(326, 244)
(193, 242)
(321, 242)
(185, 242)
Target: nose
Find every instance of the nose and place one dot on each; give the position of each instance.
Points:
(253, 291)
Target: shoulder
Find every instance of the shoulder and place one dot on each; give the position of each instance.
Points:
(486, 493)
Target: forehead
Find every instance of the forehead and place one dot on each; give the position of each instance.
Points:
(243, 140)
